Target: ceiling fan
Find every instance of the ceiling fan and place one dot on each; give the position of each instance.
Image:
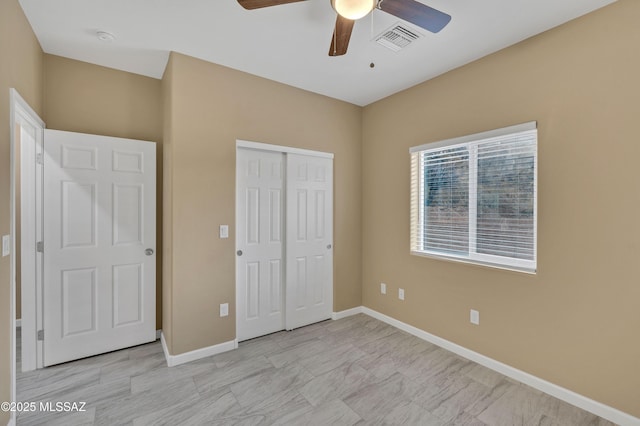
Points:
(350, 10)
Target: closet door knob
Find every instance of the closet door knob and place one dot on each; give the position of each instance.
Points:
(329, 246)
(239, 252)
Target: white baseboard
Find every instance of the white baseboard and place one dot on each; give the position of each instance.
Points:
(18, 323)
(173, 360)
(346, 313)
(12, 420)
(595, 407)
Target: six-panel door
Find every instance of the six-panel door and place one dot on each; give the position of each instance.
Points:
(309, 277)
(259, 243)
(99, 243)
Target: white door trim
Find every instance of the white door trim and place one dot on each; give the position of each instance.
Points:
(279, 148)
(18, 109)
(31, 231)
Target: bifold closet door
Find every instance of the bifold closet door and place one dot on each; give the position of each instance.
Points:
(309, 240)
(259, 243)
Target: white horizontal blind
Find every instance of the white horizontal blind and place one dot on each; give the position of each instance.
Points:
(446, 204)
(476, 200)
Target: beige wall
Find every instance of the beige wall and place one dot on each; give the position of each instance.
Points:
(87, 98)
(576, 322)
(211, 107)
(21, 68)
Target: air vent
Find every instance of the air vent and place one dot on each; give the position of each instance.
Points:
(397, 37)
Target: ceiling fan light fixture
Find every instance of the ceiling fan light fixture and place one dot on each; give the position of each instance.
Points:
(353, 9)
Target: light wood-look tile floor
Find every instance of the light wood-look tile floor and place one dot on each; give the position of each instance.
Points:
(356, 370)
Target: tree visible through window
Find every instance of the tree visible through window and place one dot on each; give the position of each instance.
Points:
(474, 198)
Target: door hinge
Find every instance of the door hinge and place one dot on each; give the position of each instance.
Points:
(40, 246)
(39, 159)
(40, 334)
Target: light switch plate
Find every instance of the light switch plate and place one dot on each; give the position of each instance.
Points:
(6, 245)
(224, 231)
(383, 288)
(474, 317)
(224, 309)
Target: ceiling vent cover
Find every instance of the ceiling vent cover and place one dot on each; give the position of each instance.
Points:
(397, 37)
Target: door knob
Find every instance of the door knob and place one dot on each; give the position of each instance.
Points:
(148, 252)
(239, 252)
(329, 246)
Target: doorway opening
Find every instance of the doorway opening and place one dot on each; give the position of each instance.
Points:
(26, 136)
(109, 216)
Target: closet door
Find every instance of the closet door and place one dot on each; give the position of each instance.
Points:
(259, 243)
(309, 230)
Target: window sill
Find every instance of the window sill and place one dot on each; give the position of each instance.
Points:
(456, 259)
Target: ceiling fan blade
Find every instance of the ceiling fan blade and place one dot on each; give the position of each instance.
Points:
(341, 36)
(257, 4)
(417, 13)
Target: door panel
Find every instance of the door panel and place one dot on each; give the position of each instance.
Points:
(128, 221)
(253, 290)
(300, 280)
(79, 205)
(99, 213)
(309, 282)
(79, 301)
(128, 288)
(275, 285)
(259, 217)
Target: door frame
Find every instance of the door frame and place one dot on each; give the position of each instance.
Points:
(20, 110)
(30, 225)
(259, 146)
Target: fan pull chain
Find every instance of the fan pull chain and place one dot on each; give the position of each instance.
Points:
(335, 42)
(371, 38)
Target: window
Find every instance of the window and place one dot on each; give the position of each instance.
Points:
(474, 198)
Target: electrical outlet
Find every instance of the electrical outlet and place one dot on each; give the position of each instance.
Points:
(383, 288)
(224, 231)
(6, 245)
(224, 309)
(401, 293)
(474, 317)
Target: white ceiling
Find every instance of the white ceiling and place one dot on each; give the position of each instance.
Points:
(289, 43)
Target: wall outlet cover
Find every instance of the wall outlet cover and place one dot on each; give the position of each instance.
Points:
(224, 309)
(401, 293)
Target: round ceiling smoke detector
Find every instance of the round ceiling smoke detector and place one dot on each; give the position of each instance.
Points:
(105, 36)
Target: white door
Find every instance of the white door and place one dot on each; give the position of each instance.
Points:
(99, 243)
(259, 241)
(309, 282)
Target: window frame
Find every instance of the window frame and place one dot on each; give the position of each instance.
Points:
(417, 200)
